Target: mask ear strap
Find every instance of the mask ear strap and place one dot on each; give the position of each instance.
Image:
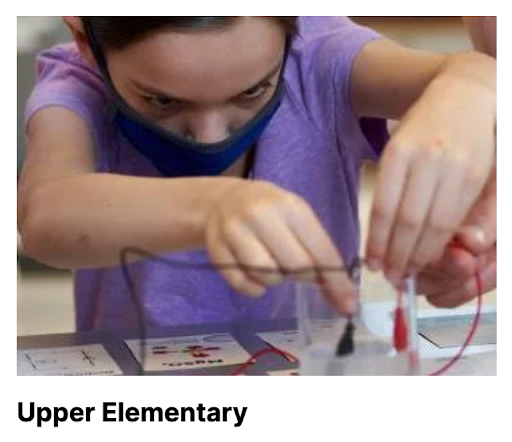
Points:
(101, 61)
(121, 107)
(95, 48)
(113, 108)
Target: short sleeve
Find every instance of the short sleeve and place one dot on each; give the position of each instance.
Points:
(64, 80)
(322, 64)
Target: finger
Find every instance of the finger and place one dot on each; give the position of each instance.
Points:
(488, 258)
(222, 257)
(414, 209)
(254, 256)
(451, 203)
(431, 287)
(459, 263)
(480, 231)
(388, 194)
(337, 284)
(449, 301)
(289, 254)
(455, 263)
(449, 273)
(430, 283)
(490, 277)
(454, 299)
(466, 291)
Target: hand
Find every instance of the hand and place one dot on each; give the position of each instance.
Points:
(260, 225)
(432, 173)
(451, 282)
(479, 234)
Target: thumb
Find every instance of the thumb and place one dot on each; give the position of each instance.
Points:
(480, 228)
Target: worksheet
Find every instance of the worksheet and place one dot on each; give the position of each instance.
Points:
(441, 332)
(450, 331)
(294, 372)
(85, 360)
(287, 340)
(190, 352)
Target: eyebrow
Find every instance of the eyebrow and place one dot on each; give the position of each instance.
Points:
(150, 90)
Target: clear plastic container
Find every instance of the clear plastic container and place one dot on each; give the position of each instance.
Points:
(321, 327)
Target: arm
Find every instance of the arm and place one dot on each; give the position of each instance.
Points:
(70, 217)
(388, 79)
(441, 156)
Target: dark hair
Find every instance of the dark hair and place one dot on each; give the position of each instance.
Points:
(118, 32)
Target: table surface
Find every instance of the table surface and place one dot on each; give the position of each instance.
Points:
(245, 333)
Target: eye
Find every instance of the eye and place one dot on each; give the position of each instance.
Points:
(162, 103)
(256, 91)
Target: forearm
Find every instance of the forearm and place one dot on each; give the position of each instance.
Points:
(84, 222)
(388, 80)
(461, 78)
(473, 69)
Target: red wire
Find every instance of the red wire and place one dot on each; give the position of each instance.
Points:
(478, 279)
(400, 334)
(471, 334)
(244, 367)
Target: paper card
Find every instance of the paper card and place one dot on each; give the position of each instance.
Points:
(287, 340)
(378, 317)
(190, 352)
(483, 364)
(283, 373)
(448, 332)
(86, 360)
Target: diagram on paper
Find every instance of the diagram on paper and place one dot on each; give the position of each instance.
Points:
(67, 361)
(190, 352)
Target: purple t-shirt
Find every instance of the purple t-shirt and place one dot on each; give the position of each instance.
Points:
(314, 147)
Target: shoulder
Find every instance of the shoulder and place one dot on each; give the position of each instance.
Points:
(62, 68)
(318, 36)
(323, 52)
(63, 79)
(318, 80)
(319, 67)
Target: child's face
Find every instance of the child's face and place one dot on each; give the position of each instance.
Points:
(202, 84)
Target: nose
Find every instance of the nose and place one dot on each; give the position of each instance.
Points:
(208, 126)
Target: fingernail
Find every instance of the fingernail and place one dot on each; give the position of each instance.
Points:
(374, 264)
(475, 233)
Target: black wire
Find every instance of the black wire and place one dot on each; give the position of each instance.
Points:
(346, 345)
(353, 270)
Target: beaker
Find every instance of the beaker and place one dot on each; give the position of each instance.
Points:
(375, 352)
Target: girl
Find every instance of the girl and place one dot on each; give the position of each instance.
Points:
(239, 140)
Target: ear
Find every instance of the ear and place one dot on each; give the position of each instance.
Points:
(76, 27)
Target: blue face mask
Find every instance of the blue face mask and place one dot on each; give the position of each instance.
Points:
(174, 155)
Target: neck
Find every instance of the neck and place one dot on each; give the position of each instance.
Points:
(242, 167)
